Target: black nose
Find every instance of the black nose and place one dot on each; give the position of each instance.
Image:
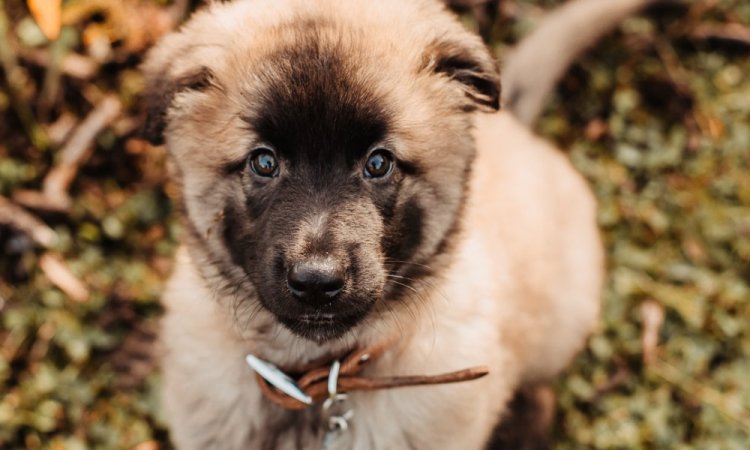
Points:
(315, 280)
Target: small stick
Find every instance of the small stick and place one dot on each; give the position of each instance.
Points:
(652, 317)
(54, 195)
(731, 32)
(72, 65)
(15, 216)
(60, 275)
(77, 151)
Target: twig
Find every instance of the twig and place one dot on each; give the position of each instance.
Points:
(15, 216)
(731, 32)
(60, 275)
(36, 200)
(72, 64)
(60, 130)
(54, 195)
(79, 147)
(652, 317)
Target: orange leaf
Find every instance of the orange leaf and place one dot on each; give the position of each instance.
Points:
(48, 15)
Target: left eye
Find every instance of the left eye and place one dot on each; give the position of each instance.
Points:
(379, 164)
(263, 163)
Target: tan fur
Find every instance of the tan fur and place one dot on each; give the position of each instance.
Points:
(512, 309)
(520, 294)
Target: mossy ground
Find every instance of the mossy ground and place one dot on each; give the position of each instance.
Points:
(656, 116)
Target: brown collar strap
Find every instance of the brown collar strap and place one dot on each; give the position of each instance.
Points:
(314, 382)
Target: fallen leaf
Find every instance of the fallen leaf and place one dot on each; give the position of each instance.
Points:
(48, 15)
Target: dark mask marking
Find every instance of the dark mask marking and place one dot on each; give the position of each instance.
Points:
(405, 236)
(312, 107)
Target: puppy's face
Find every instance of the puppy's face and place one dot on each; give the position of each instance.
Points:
(322, 159)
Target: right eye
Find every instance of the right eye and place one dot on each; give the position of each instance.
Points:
(379, 164)
(263, 163)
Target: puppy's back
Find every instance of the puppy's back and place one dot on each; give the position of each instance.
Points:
(532, 205)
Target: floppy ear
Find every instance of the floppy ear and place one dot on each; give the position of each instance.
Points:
(161, 89)
(470, 64)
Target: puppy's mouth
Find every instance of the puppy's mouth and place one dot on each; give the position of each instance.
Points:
(322, 326)
(320, 297)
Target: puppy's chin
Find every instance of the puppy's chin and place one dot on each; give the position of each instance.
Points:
(325, 323)
(321, 327)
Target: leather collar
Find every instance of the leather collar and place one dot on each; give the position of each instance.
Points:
(314, 380)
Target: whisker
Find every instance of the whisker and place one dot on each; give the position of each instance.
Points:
(411, 263)
(428, 283)
(424, 302)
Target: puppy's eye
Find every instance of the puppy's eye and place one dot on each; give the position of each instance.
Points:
(379, 164)
(263, 163)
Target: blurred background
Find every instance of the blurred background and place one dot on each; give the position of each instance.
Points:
(656, 116)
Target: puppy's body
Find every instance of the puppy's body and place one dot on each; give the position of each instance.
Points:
(520, 298)
(487, 254)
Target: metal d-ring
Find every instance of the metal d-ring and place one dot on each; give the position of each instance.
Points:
(333, 378)
(337, 423)
(333, 381)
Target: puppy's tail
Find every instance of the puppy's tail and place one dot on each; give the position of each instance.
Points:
(539, 61)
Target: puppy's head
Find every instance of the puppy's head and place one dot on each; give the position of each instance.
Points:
(322, 148)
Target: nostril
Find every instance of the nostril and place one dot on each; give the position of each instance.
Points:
(296, 281)
(315, 279)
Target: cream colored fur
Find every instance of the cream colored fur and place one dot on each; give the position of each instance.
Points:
(521, 297)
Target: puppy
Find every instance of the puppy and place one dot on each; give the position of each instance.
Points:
(344, 178)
